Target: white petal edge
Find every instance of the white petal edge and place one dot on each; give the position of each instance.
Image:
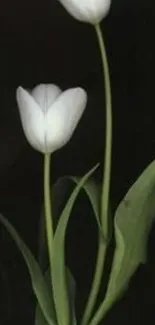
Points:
(32, 118)
(63, 117)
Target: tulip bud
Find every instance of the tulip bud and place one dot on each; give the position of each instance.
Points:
(88, 11)
(50, 116)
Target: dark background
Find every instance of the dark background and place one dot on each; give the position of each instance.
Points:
(41, 43)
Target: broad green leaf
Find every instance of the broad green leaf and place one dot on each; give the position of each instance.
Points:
(71, 285)
(40, 288)
(133, 220)
(58, 257)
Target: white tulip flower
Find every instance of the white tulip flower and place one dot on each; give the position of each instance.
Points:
(50, 116)
(88, 11)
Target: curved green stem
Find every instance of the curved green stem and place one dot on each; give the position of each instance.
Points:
(47, 206)
(102, 244)
(108, 136)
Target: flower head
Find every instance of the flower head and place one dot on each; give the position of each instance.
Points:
(50, 116)
(88, 11)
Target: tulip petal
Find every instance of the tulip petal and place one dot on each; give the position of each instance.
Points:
(89, 11)
(32, 118)
(45, 95)
(63, 117)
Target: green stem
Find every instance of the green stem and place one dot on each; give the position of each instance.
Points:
(96, 281)
(47, 206)
(101, 312)
(102, 244)
(108, 136)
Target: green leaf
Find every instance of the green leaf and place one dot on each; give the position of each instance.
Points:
(59, 192)
(133, 220)
(71, 286)
(59, 197)
(58, 257)
(40, 288)
(93, 191)
(39, 317)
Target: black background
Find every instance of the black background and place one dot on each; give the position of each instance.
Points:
(41, 43)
